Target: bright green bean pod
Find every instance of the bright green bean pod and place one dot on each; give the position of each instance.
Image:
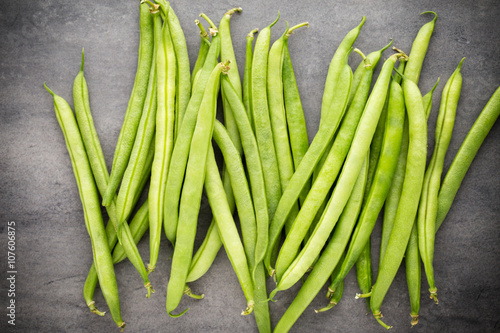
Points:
(465, 156)
(335, 68)
(206, 253)
(183, 73)
(264, 135)
(91, 206)
(382, 180)
(135, 105)
(180, 151)
(258, 191)
(419, 49)
(247, 75)
(227, 229)
(329, 258)
(241, 190)
(427, 211)
(191, 192)
(352, 166)
(98, 166)
(334, 296)
(364, 272)
(408, 203)
(202, 53)
(296, 123)
(227, 54)
(315, 197)
(145, 134)
(306, 168)
(164, 136)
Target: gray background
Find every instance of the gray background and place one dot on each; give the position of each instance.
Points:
(42, 41)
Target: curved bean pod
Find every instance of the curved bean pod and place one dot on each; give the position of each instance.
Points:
(247, 76)
(202, 53)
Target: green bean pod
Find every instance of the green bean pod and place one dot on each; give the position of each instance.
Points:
(315, 197)
(138, 157)
(164, 136)
(247, 75)
(98, 165)
(465, 156)
(329, 258)
(334, 295)
(408, 203)
(202, 53)
(256, 177)
(352, 166)
(264, 136)
(91, 206)
(428, 202)
(419, 49)
(335, 69)
(180, 151)
(382, 180)
(227, 230)
(135, 105)
(364, 272)
(296, 123)
(191, 192)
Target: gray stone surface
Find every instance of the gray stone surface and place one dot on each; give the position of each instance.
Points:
(42, 41)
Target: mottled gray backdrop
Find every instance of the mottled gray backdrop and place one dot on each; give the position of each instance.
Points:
(42, 41)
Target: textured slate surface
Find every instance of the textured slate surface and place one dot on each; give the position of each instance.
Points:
(42, 41)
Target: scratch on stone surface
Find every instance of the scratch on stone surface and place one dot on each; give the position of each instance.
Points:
(479, 295)
(64, 278)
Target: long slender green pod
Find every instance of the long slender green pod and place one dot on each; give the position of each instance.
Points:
(181, 148)
(329, 258)
(408, 203)
(191, 192)
(247, 75)
(428, 202)
(382, 180)
(465, 156)
(334, 296)
(164, 137)
(98, 165)
(335, 68)
(352, 166)
(264, 136)
(315, 197)
(91, 206)
(135, 105)
(202, 53)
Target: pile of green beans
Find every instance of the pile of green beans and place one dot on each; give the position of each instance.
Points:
(324, 197)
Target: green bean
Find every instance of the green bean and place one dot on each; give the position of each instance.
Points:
(180, 151)
(297, 129)
(427, 211)
(98, 167)
(382, 180)
(247, 79)
(419, 49)
(329, 258)
(264, 135)
(206, 253)
(254, 167)
(164, 137)
(465, 155)
(412, 255)
(308, 163)
(135, 105)
(240, 187)
(227, 229)
(408, 203)
(202, 53)
(91, 207)
(192, 190)
(145, 134)
(334, 295)
(316, 195)
(227, 54)
(183, 73)
(345, 183)
(335, 69)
